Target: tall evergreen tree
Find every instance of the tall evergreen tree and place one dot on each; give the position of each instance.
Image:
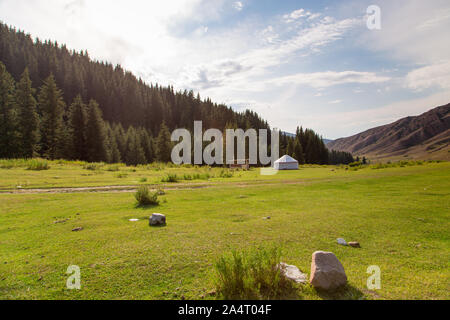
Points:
(77, 123)
(135, 153)
(290, 148)
(112, 147)
(163, 144)
(28, 119)
(8, 117)
(147, 145)
(51, 105)
(95, 134)
(298, 152)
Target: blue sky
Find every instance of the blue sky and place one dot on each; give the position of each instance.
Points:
(310, 63)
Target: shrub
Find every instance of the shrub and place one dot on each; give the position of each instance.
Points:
(170, 178)
(226, 174)
(254, 274)
(121, 175)
(38, 165)
(146, 198)
(93, 166)
(143, 180)
(355, 164)
(113, 168)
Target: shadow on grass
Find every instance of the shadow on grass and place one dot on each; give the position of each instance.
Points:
(146, 207)
(348, 292)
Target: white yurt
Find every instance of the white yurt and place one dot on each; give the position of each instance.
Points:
(286, 163)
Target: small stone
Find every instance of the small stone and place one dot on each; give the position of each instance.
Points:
(267, 218)
(342, 242)
(183, 298)
(61, 221)
(134, 220)
(293, 273)
(157, 219)
(77, 229)
(327, 272)
(212, 293)
(354, 244)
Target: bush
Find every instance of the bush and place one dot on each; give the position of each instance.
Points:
(226, 174)
(146, 198)
(38, 165)
(254, 274)
(113, 168)
(143, 180)
(170, 178)
(121, 175)
(355, 164)
(93, 166)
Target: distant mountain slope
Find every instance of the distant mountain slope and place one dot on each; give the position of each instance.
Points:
(423, 137)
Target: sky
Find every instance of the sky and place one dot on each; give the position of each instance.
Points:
(314, 64)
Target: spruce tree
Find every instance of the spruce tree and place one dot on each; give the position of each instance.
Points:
(298, 152)
(95, 134)
(147, 145)
(135, 153)
(163, 144)
(28, 119)
(51, 104)
(290, 147)
(77, 124)
(8, 133)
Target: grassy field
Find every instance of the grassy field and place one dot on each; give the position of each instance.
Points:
(400, 215)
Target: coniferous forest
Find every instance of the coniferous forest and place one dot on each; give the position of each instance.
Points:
(60, 104)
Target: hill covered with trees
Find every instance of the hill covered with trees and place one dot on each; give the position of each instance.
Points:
(94, 111)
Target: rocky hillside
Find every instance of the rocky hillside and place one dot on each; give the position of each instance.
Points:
(423, 137)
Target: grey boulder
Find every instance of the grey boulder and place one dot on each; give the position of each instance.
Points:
(157, 219)
(327, 272)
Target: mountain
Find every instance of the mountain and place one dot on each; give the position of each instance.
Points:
(327, 141)
(422, 137)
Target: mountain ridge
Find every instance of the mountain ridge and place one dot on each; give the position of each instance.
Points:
(426, 136)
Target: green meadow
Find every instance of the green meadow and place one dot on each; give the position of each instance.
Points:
(399, 214)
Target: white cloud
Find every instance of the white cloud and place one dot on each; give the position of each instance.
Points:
(436, 75)
(295, 15)
(335, 102)
(412, 31)
(341, 124)
(238, 5)
(330, 78)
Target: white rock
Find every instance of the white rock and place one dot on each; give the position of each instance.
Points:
(158, 219)
(342, 242)
(134, 220)
(293, 273)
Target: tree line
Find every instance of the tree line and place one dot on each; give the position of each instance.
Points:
(89, 110)
(38, 123)
(306, 146)
(122, 97)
